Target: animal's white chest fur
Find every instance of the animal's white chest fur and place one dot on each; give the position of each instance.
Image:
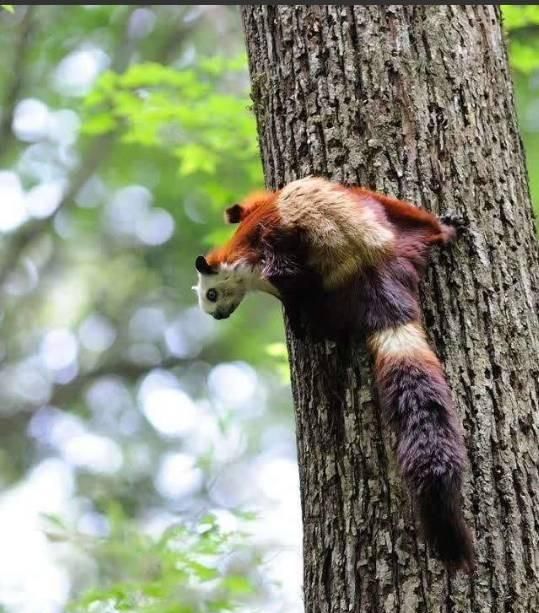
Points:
(342, 234)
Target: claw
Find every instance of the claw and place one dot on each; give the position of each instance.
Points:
(450, 218)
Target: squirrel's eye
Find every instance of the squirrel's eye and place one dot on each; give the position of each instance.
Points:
(211, 295)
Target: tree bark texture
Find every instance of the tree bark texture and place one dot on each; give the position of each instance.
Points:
(417, 102)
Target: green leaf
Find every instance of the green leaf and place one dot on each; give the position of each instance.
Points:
(8, 7)
(150, 74)
(195, 158)
(277, 350)
(218, 64)
(525, 57)
(238, 584)
(204, 573)
(247, 515)
(54, 520)
(519, 16)
(99, 124)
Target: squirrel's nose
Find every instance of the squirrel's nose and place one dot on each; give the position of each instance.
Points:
(220, 315)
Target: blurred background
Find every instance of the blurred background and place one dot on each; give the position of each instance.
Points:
(147, 452)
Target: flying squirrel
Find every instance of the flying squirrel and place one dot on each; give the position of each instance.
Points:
(349, 260)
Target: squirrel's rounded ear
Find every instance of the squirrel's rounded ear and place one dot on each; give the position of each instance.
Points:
(203, 267)
(234, 213)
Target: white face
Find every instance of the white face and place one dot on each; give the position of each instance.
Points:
(220, 293)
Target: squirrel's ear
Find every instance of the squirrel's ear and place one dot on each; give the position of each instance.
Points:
(203, 267)
(234, 213)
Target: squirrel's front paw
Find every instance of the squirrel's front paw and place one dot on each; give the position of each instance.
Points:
(451, 218)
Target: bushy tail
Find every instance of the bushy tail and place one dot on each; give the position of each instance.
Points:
(415, 400)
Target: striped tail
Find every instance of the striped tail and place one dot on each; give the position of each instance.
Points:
(415, 400)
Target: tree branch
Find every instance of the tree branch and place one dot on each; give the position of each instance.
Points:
(17, 73)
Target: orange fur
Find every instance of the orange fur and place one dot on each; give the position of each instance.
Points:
(259, 213)
(256, 199)
(400, 212)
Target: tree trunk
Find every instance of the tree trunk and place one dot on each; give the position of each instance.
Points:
(417, 102)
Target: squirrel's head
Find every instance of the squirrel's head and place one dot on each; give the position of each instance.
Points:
(220, 288)
(233, 269)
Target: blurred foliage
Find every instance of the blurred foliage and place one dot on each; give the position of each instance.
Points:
(187, 569)
(123, 135)
(521, 23)
(210, 133)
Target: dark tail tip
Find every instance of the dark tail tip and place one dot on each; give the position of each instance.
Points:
(440, 509)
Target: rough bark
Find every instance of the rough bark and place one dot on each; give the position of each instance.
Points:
(416, 102)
